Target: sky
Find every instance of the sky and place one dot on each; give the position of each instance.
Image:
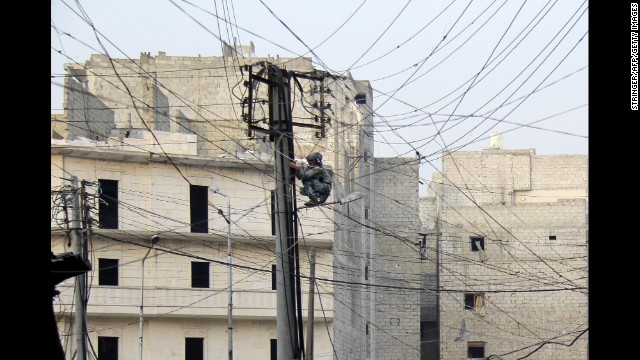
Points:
(446, 74)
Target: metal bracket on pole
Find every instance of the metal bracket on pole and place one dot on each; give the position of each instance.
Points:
(251, 84)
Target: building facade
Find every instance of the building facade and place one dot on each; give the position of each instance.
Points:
(149, 142)
(377, 314)
(508, 230)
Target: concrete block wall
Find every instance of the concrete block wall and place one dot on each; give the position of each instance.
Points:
(178, 121)
(161, 120)
(160, 190)
(206, 96)
(492, 176)
(59, 126)
(129, 110)
(559, 172)
(158, 142)
(351, 302)
(486, 177)
(352, 248)
(429, 297)
(95, 124)
(396, 318)
(205, 93)
(530, 320)
(507, 235)
(520, 255)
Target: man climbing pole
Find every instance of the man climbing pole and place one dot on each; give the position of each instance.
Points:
(316, 181)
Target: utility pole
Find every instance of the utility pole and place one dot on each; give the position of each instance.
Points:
(216, 190)
(312, 283)
(154, 241)
(290, 340)
(286, 325)
(230, 279)
(80, 288)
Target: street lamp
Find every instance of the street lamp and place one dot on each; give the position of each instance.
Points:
(216, 190)
(350, 197)
(154, 241)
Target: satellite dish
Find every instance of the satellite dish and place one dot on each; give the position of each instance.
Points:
(430, 225)
(464, 334)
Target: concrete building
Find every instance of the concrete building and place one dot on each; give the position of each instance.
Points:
(509, 232)
(377, 316)
(155, 136)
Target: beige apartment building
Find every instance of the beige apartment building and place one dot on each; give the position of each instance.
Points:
(509, 232)
(492, 262)
(150, 142)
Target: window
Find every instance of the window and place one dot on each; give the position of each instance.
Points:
(473, 301)
(273, 212)
(361, 98)
(274, 349)
(199, 274)
(108, 204)
(477, 243)
(193, 348)
(475, 349)
(423, 247)
(198, 205)
(552, 237)
(108, 272)
(274, 280)
(107, 348)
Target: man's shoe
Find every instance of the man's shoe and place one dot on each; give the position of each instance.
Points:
(323, 198)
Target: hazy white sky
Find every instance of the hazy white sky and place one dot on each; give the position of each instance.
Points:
(445, 73)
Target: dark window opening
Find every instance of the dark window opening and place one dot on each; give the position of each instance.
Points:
(107, 348)
(199, 274)
(274, 280)
(108, 272)
(552, 237)
(473, 301)
(477, 243)
(469, 301)
(274, 349)
(199, 207)
(108, 204)
(361, 98)
(193, 348)
(366, 272)
(273, 212)
(475, 349)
